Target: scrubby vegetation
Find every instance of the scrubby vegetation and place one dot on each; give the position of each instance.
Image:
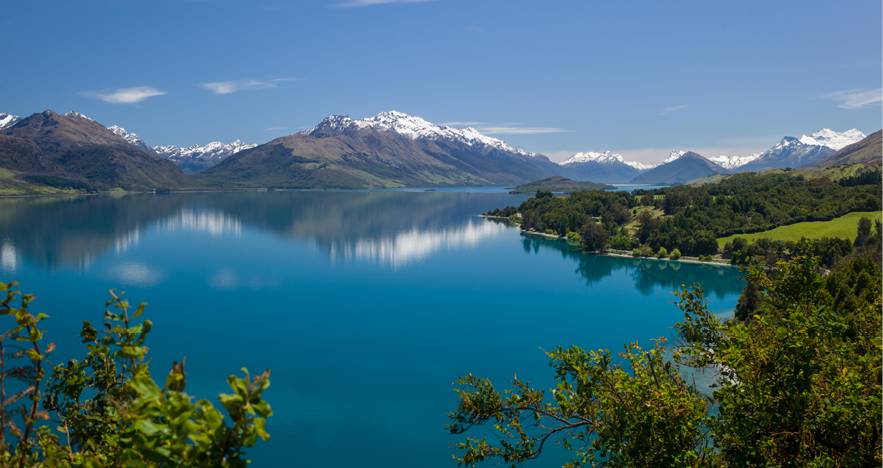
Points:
(796, 385)
(106, 410)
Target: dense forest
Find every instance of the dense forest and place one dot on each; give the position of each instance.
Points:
(694, 216)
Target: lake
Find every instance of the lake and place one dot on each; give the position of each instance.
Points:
(366, 305)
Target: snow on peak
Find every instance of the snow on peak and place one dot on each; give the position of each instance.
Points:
(832, 139)
(8, 120)
(732, 162)
(673, 156)
(591, 156)
(606, 157)
(130, 137)
(77, 114)
(413, 128)
(212, 151)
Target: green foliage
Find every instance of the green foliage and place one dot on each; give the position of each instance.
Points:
(60, 182)
(675, 254)
(573, 236)
(799, 385)
(598, 410)
(662, 253)
(697, 216)
(110, 410)
(796, 386)
(594, 237)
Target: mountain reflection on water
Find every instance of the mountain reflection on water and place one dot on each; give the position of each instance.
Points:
(391, 228)
(388, 228)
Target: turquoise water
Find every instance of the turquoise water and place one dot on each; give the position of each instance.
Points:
(365, 305)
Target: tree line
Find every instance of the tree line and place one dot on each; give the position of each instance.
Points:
(695, 216)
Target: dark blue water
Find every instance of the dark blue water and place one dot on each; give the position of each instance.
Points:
(365, 305)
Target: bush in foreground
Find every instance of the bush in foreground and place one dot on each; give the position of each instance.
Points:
(797, 386)
(107, 406)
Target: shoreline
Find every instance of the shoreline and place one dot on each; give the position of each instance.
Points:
(683, 259)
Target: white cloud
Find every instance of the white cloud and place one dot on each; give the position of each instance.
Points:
(518, 130)
(674, 108)
(364, 3)
(124, 95)
(274, 128)
(227, 87)
(858, 98)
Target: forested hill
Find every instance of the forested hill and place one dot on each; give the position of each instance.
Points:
(695, 216)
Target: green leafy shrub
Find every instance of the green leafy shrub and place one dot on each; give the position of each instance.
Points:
(108, 407)
(797, 386)
(573, 236)
(662, 253)
(636, 252)
(675, 254)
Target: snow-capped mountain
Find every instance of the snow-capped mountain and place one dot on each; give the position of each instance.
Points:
(131, 138)
(196, 158)
(77, 114)
(673, 156)
(606, 157)
(796, 152)
(8, 120)
(413, 128)
(732, 162)
(832, 139)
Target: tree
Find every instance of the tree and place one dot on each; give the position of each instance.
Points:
(863, 232)
(594, 237)
(797, 386)
(109, 408)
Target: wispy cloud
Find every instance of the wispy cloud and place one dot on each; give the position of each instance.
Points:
(364, 3)
(673, 108)
(274, 128)
(858, 98)
(519, 130)
(124, 95)
(227, 87)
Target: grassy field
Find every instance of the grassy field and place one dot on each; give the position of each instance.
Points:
(843, 227)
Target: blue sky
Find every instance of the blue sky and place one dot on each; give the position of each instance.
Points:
(639, 78)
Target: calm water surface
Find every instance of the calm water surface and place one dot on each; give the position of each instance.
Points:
(365, 305)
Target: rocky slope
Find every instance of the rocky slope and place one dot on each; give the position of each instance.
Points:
(391, 149)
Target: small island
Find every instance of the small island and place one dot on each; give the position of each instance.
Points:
(560, 185)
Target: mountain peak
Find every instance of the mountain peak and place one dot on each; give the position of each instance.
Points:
(832, 139)
(77, 114)
(411, 127)
(130, 137)
(8, 120)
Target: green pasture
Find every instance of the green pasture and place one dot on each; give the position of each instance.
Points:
(843, 227)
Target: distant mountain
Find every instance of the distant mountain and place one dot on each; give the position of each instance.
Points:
(76, 147)
(795, 152)
(391, 149)
(603, 167)
(57, 133)
(8, 120)
(197, 158)
(678, 168)
(559, 184)
(192, 159)
(131, 138)
(732, 162)
(866, 151)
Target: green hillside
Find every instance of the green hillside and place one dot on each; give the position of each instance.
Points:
(843, 227)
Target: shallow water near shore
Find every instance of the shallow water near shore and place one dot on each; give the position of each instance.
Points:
(365, 305)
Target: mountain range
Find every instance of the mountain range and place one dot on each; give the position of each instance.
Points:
(391, 149)
(74, 147)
